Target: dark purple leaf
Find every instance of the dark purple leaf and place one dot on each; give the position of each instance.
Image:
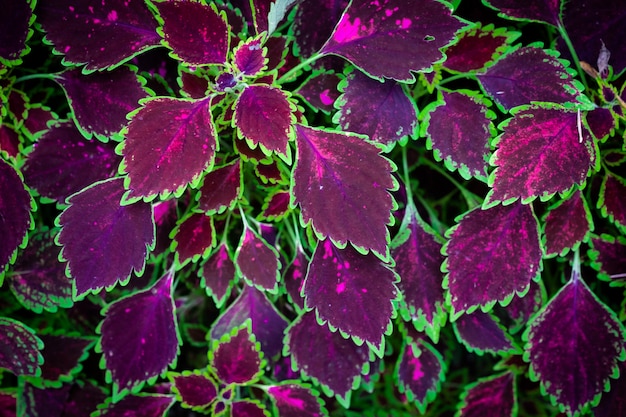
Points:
(102, 241)
(268, 325)
(613, 403)
(9, 142)
(100, 33)
(326, 357)
(276, 206)
(601, 122)
(260, 11)
(237, 357)
(547, 11)
(257, 262)
(196, 32)
(193, 237)
(526, 75)
(263, 116)
(320, 91)
(296, 400)
(270, 173)
(143, 405)
(100, 101)
(293, 278)
(459, 130)
(393, 38)
(182, 146)
(566, 225)
(83, 398)
(195, 389)
(218, 275)
(248, 154)
(8, 404)
(62, 356)
(43, 402)
(38, 280)
(480, 332)
(341, 183)
(612, 203)
(314, 23)
(139, 336)
(248, 408)
(221, 188)
(249, 57)
(192, 85)
(539, 154)
(380, 110)
(165, 219)
(63, 162)
(15, 29)
(420, 372)
(343, 285)
(15, 217)
(574, 346)
(19, 348)
(18, 103)
(490, 396)
(489, 264)
(523, 308)
(37, 121)
(609, 257)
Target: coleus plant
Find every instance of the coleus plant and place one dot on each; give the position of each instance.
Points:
(310, 208)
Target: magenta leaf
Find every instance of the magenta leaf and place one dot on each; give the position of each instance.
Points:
(221, 189)
(249, 57)
(182, 146)
(410, 34)
(15, 214)
(268, 325)
(248, 408)
(574, 346)
(194, 389)
(263, 116)
(526, 75)
(139, 337)
(102, 241)
(62, 356)
(193, 238)
(329, 359)
(63, 162)
(612, 203)
(539, 154)
(420, 372)
(293, 278)
(116, 29)
(295, 399)
(275, 206)
(320, 90)
(15, 30)
(237, 357)
(143, 405)
(257, 262)
(459, 130)
(547, 11)
(196, 32)
(380, 110)
(493, 396)
(609, 257)
(566, 225)
(489, 264)
(334, 173)
(480, 332)
(342, 285)
(100, 101)
(218, 275)
(20, 348)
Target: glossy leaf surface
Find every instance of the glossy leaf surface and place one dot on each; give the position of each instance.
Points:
(494, 396)
(237, 358)
(19, 348)
(257, 262)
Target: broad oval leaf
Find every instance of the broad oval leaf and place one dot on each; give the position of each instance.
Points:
(486, 265)
(392, 38)
(193, 237)
(566, 225)
(480, 332)
(249, 57)
(195, 390)
(20, 348)
(102, 241)
(221, 189)
(547, 11)
(257, 262)
(341, 183)
(237, 357)
(139, 337)
(182, 144)
(492, 396)
(218, 275)
(15, 30)
(295, 399)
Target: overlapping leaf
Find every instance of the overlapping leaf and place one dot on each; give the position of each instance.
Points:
(276, 206)
(195, 390)
(493, 395)
(15, 30)
(521, 309)
(249, 57)
(547, 11)
(20, 348)
(193, 237)
(248, 408)
(566, 225)
(295, 399)
(609, 257)
(218, 274)
(314, 23)
(221, 188)
(293, 279)
(612, 203)
(142, 405)
(257, 262)
(62, 356)
(237, 357)
(480, 332)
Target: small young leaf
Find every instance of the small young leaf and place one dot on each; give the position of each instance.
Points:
(62, 356)
(611, 202)
(257, 262)
(492, 396)
(193, 237)
(275, 206)
(15, 29)
(218, 275)
(296, 400)
(546, 11)
(143, 405)
(609, 257)
(566, 225)
(195, 390)
(221, 189)
(249, 57)
(237, 357)
(19, 348)
(480, 332)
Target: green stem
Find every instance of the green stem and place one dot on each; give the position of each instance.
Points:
(35, 77)
(572, 51)
(470, 199)
(289, 74)
(407, 178)
(456, 77)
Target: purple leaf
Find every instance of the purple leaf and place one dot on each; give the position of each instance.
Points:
(293, 278)
(165, 219)
(539, 154)
(218, 275)
(523, 308)
(263, 116)
(342, 285)
(335, 174)
(492, 396)
(100, 101)
(248, 408)
(8, 404)
(102, 34)
(480, 332)
(9, 142)
(154, 405)
(193, 238)
(63, 162)
(102, 241)
(314, 23)
(320, 90)
(275, 206)
(37, 122)
(526, 75)
(83, 398)
(195, 390)
(420, 372)
(393, 38)
(249, 57)
(380, 110)
(566, 225)
(38, 280)
(268, 325)
(609, 257)
(237, 357)
(15, 217)
(15, 30)
(574, 346)
(489, 264)
(192, 84)
(260, 11)
(296, 400)
(19, 348)
(182, 146)
(62, 356)
(270, 173)
(547, 11)
(221, 189)
(326, 357)
(139, 336)
(46, 402)
(613, 403)
(459, 130)
(612, 203)
(197, 33)
(601, 122)
(257, 262)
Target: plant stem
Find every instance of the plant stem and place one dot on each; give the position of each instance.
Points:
(572, 51)
(470, 199)
(35, 77)
(289, 74)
